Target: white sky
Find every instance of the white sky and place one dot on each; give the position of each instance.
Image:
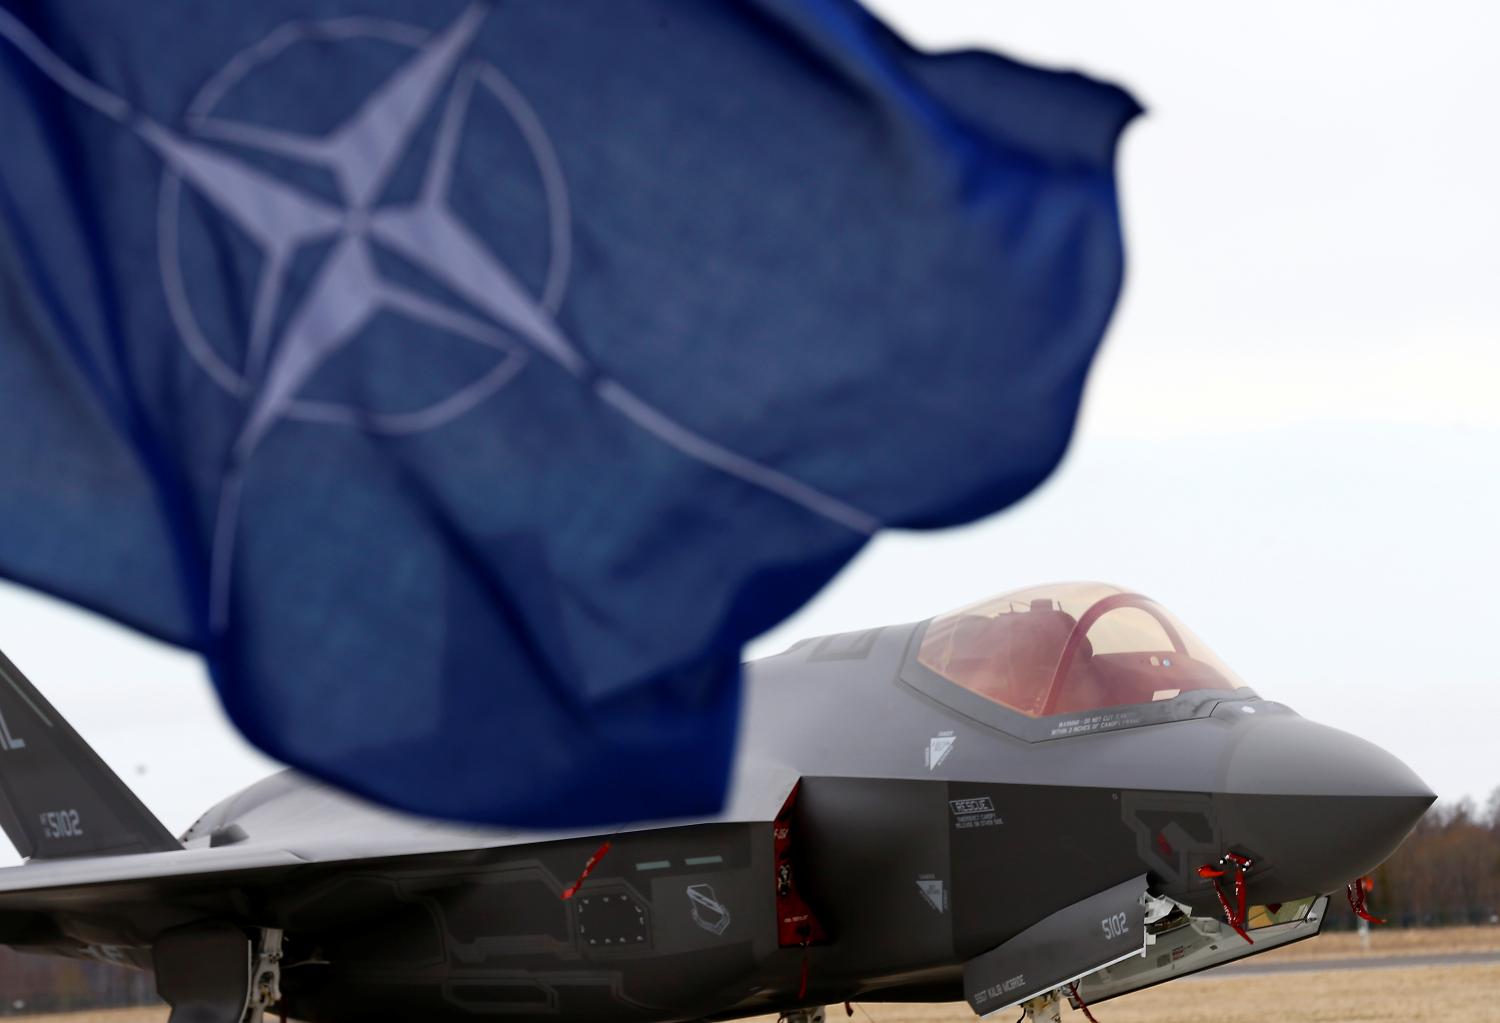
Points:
(1292, 438)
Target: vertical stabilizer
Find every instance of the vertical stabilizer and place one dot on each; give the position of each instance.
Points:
(57, 798)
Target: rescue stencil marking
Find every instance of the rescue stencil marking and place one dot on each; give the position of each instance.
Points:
(978, 812)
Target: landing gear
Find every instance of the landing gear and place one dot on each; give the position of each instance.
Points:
(1045, 1008)
(216, 973)
(814, 1014)
(265, 974)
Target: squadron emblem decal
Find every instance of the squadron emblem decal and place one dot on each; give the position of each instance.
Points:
(708, 912)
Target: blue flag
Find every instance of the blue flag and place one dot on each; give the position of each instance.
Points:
(467, 383)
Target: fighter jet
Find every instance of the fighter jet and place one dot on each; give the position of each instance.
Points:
(1056, 796)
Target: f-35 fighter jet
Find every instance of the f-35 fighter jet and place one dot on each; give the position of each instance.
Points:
(1057, 795)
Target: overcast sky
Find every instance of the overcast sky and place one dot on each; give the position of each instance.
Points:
(1292, 438)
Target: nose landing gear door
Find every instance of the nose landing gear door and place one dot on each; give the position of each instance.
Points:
(1093, 933)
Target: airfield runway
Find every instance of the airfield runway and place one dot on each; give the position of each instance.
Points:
(1253, 969)
(1403, 977)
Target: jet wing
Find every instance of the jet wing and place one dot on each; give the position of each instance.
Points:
(32, 885)
(89, 840)
(308, 826)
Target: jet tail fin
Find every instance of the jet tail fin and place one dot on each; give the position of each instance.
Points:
(57, 798)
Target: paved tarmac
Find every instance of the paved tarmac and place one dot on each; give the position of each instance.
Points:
(1245, 969)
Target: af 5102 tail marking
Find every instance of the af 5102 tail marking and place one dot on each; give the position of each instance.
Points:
(57, 798)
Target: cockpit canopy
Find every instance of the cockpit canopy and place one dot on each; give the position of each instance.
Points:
(1070, 648)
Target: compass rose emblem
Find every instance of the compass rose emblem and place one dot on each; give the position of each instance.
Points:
(361, 154)
(289, 338)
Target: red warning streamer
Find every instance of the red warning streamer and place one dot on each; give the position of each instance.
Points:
(588, 868)
(1358, 892)
(1234, 914)
(1082, 1004)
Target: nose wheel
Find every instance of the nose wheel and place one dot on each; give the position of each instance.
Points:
(813, 1014)
(1045, 1008)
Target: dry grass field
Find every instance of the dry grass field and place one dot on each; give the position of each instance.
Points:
(152, 1015)
(1467, 993)
(1470, 994)
(1390, 942)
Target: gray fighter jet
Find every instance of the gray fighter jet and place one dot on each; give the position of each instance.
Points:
(1057, 795)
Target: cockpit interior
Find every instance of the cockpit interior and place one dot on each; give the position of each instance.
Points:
(1070, 648)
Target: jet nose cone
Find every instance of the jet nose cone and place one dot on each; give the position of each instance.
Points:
(1316, 806)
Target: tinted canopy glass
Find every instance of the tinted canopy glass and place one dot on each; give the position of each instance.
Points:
(1071, 647)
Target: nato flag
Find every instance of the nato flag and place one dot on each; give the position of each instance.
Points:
(467, 382)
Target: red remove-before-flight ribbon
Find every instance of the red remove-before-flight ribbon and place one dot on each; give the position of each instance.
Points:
(1358, 892)
(588, 868)
(1236, 913)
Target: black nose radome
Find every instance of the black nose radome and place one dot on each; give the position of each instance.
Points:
(1317, 807)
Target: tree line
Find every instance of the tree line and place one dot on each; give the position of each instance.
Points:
(33, 984)
(1446, 873)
